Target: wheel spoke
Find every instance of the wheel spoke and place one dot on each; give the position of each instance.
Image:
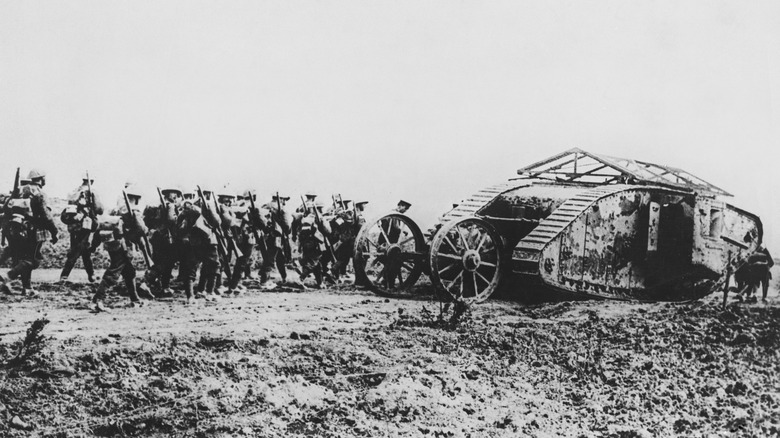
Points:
(409, 267)
(455, 280)
(482, 242)
(449, 242)
(405, 241)
(462, 239)
(449, 256)
(492, 265)
(447, 268)
(474, 278)
(482, 277)
(372, 243)
(411, 255)
(384, 234)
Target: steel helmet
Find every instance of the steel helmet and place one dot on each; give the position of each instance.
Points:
(132, 190)
(173, 189)
(36, 173)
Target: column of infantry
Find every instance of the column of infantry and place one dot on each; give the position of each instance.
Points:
(208, 239)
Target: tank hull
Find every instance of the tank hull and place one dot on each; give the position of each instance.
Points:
(636, 242)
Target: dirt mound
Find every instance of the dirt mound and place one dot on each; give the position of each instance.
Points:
(339, 363)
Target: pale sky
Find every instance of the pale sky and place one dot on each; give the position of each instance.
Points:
(423, 100)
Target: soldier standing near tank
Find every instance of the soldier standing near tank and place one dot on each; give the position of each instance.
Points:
(81, 217)
(118, 232)
(30, 225)
(279, 222)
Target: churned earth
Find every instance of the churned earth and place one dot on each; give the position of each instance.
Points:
(344, 362)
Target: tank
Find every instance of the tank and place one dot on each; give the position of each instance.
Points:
(578, 223)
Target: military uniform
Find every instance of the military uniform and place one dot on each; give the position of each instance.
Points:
(207, 251)
(161, 219)
(29, 225)
(279, 222)
(198, 246)
(81, 217)
(118, 232)
(311, 235)
(250, 225)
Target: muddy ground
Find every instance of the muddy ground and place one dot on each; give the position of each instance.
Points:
(346, 363)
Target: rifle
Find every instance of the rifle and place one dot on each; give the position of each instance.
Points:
(164, 215)
(232, 245)
(319, 225)
(144, 243)
(253, 210)
(15, 193)
(90, 198)
(286, 249)
(341, 201)
(162, 199)
(221, 247)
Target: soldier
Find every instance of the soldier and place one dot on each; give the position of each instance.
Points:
(311, 234)
(161, 219)
(207, 251)
(345, 228)
(197, 243)
(279, 222)
(30, 225)
(250, 224)
(310, 197)
(402, 206)
(230, 227)
(81, 217)
(118, 231)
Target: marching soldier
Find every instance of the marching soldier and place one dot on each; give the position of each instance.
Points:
(250, 224)
(207, 251)
(161, 219)
(118, 231)
(230, 227)
(310, 198)
(348, 227)
(311, 235)
(196, 240)
(279, 222)
(81, 217)
(30, 225)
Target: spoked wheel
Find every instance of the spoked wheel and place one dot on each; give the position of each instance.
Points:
(389, 255)
(466, 259)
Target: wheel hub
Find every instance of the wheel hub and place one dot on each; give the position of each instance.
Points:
(471, 260)
(394, 254)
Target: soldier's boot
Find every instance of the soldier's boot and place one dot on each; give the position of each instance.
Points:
(99, 306)
(4, 288)
(188, 291)
(145, 292)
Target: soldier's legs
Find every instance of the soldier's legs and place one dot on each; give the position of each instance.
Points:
(28, 259)
(241, 264)
(111, 276)
(280, 265)
(73, 254)
(765, 285)
(209, 259)
(188, 268)
(269, 258)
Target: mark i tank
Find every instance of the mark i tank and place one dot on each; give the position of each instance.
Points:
(578, 223)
